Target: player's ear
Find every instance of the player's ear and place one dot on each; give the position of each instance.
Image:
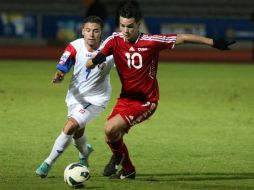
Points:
(138, 23)
(83, 29)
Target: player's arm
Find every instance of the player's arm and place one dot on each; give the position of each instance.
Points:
(221, 43)
(62, 69)
(106, 49)
(58, 77)
(97, 60)
(66, 62)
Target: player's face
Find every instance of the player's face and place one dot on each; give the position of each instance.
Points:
(129, 28)
(92, 35)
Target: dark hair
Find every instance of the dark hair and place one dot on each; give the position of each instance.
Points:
(94, 19)
(130, 9)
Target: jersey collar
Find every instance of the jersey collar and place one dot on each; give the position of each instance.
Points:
(139, 36)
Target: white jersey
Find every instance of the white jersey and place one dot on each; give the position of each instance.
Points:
(87, 85)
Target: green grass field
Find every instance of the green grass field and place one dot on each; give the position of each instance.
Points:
(201, 136)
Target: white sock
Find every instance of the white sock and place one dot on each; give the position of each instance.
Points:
(80, 144)
(60, 145)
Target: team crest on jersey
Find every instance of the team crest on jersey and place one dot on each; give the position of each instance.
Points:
(82, 111)
(89, 55)
(142, 49)
(64, 57)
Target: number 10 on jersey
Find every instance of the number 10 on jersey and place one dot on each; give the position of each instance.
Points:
(131, 60)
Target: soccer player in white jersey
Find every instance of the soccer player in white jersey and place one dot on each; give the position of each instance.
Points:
(88, 93)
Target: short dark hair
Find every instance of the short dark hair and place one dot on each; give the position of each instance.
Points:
(94, 19)
(131, 9)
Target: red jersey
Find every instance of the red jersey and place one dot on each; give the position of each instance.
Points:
(137, 63)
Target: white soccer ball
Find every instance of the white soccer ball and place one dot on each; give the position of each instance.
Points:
(76, 175)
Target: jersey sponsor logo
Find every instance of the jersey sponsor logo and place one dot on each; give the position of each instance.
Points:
(64, 57)
(131, 49)
(142, 49)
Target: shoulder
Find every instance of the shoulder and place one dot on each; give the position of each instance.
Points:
(117, 35)
(77, 43)
(114, 36)
(159, 37)
(73, 47)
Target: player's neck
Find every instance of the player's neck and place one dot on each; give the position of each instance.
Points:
(91, 48)
(134, 40)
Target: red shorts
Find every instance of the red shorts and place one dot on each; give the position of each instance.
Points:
(133, 111)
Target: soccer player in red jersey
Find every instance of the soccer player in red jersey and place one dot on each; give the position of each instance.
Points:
(136, 59)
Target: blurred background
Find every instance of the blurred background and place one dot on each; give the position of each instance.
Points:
(40, 29)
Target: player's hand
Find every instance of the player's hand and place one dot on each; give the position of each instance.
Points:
(59, 77)
(222, 44)
(89, 64)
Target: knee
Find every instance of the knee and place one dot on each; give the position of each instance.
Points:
(70, 127)
(108, 129)
(79, 133)
(111, 131)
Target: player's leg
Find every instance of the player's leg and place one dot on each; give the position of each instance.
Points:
(84, 114)
(80, 142)
(61, 143)
(115, 130)
(125, 114)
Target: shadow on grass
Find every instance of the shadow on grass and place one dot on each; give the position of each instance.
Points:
(52, 178)
(180, 181)
(194, 176)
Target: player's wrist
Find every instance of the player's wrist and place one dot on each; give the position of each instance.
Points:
(89, 64)
(222, 44)
(98, 59)
(60, 72)
(58, 77)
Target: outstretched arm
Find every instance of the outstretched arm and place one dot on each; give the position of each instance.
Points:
(221, 44)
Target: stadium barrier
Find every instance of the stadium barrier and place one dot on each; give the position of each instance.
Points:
(29, 36)
(190, 55)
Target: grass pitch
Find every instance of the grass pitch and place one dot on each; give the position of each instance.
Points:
(201, 136)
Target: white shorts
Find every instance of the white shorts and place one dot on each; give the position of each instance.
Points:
(84, 113)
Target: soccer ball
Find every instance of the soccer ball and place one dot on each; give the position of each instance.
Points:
(76, 175)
